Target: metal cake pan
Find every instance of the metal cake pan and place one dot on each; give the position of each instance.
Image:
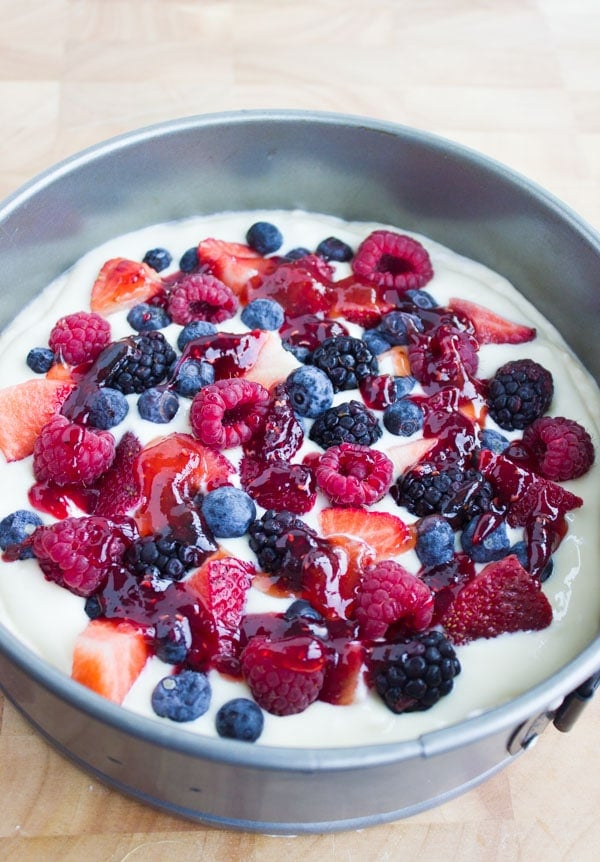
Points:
(355, 168)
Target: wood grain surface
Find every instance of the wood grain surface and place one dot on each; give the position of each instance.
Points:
(516, 79)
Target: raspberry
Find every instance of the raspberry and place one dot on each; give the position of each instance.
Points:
(229, 412)
(285, 676)
(201, 297)
(153, 557)
(345, 360)
(458, 494)
(414, 674)
(279, 484)
(78, 553)
(79, 337)
(443, 355)
(349, 422)
(69, 454)
(519, 393)
(353, 475)
(562, 447)
(392, 260)
(389, 594)
(139, 362)
(281, 541)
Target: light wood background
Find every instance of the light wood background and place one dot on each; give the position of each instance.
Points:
(516, 79)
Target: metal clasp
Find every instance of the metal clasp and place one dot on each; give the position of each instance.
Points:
(573, 705)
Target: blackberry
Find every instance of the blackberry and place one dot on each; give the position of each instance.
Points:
(456, 493)
(156, 557)
(414, 674)
(350, 422)
(345, 360)
(280, 541)
(519, 393)
(141, 364)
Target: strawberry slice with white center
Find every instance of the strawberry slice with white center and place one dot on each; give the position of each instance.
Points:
(492, 328)
(123, 283)
(24, 410)
(109, 656)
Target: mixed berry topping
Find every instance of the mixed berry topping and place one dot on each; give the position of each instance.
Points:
(389, 551)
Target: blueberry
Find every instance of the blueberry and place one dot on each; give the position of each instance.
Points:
(493, 440)
(263, 314)
(300, 608)
(93, 607)
(40, 359)
(264, 237)
(396, 325)
(158, 258)
(17, 527)
(241, 719)
(143, 317)
(403, 417)
(172, 638)
(192, 375)
(106, 408)
(421, 298)
(189, 260)
(435, 541)
(296, 253)
(333, 248)
(182, 697)
(493, 546)
(402, 386)
(310, 391)
(521, 552)
(228, 511)
(195, 329)
(375, 341)
(158, 405)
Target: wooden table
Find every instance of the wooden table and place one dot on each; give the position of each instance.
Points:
(518, 80)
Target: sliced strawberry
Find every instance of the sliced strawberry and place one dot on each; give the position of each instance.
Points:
(300, 286)
(234, 263)
(330, 581)
(24, 410)
(345, 664)
(280, 435)
(395, 360)
(528, 495)
(171, 471)
(122, 283)
(108, 657)
(273, 362)
(491, 328)
(222, 583)
(359, 302)
(232, 354)
(386, 534)
(503, 597)
(406, 455)
(118, 490)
